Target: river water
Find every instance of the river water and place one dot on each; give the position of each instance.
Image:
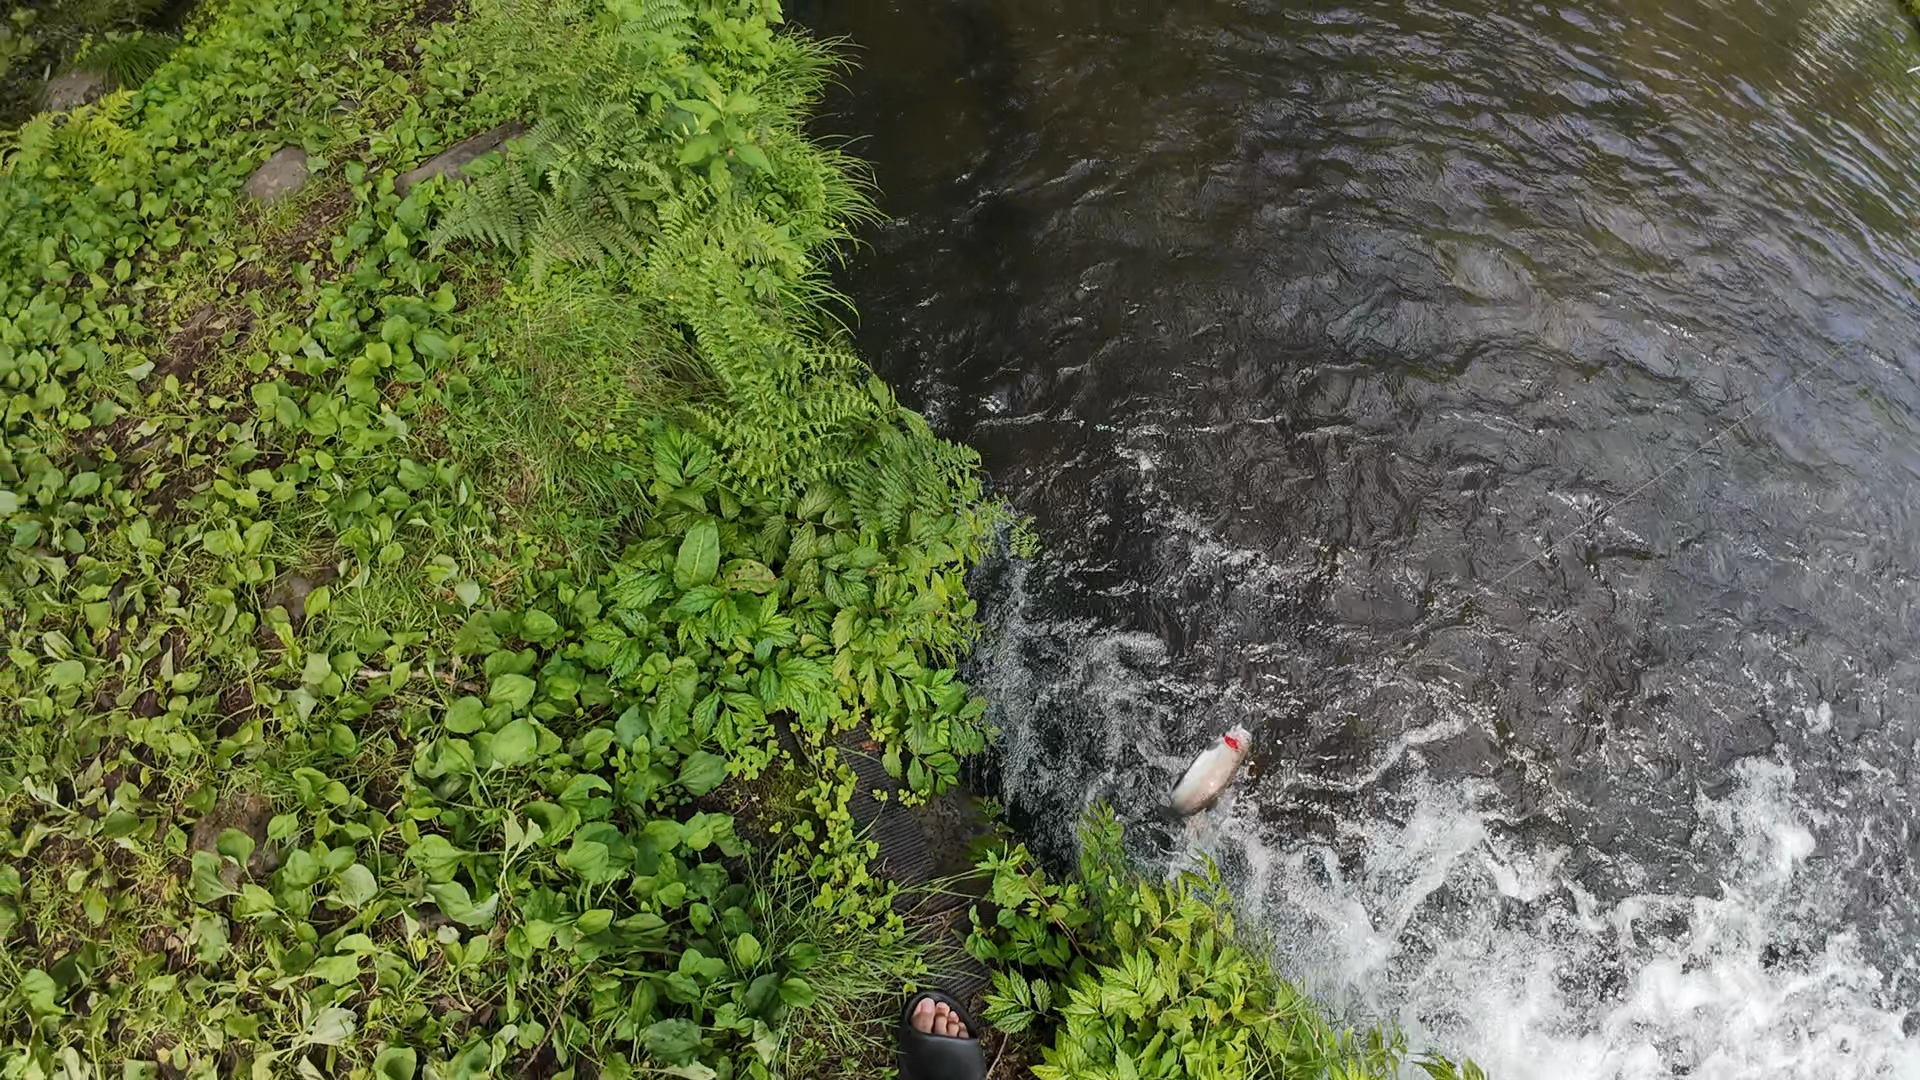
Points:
(1509, 412)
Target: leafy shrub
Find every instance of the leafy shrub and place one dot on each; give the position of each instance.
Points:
(1146, 979)
(336, 746)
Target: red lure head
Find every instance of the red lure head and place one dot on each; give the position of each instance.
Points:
(1232, 743)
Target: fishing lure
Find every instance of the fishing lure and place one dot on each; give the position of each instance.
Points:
(1211, 772)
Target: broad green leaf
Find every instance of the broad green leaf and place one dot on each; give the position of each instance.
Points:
(592, 922)
(457, 904)
(515, 744)
(699, 555)
(798, 992)
(701, 772)
(762, 993)
(594, 744)
(235, 845)
(467, 715)
(332, 1027)
(514, 690)
(40, 992)
(396, 1063)
(432, 344)
(342, 740)
(553, 821)
(753, 156)
(357, 885)
(336, 970)
(207, 886)
(414, 476)
(699, 148)
(209, 934)
(664, 834)
(317, 668)
(749, 575)
(699, 834)
(537, 625)
(435, 855)
(67, 673)
(672, 1041)
(630, 728)
(588, 858)
(746, 950)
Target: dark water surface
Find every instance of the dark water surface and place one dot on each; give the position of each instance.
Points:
(1511, 413)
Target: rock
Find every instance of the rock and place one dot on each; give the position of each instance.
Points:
(449, 162)
(74, 89)
(290, 592)
(248, 812)
(281, 175)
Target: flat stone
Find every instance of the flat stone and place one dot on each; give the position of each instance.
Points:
(451, 161)
(74, 89)
(283, 174)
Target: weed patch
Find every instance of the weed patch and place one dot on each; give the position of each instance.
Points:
(388, 619)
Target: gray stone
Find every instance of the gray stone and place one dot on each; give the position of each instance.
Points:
(74, 89)
(283, 174)
(450, 161)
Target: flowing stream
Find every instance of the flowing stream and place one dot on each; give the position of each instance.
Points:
(1509, 412)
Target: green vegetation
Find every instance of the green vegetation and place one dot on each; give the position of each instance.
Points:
(386, 620)
(414, 600)
(1148, 980)
(122, 40)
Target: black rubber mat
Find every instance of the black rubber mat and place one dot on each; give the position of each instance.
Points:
(903, 850)
(905, 859)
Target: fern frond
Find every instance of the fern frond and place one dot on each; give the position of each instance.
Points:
(500, 207)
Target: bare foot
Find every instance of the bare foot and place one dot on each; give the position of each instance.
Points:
(934, 1018)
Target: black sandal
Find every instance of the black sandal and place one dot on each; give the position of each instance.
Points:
(926, 1056)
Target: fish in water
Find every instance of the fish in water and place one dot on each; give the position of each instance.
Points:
(1211, 772)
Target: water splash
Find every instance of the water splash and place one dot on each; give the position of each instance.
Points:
(1437, 906)
(1443, 920)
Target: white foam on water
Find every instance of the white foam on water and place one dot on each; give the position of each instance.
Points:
(1477, 942)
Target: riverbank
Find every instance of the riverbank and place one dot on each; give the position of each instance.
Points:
(444, 587)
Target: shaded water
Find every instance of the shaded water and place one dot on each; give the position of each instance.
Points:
(1511, 413)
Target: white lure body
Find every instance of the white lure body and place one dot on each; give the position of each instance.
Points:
(1211, 772)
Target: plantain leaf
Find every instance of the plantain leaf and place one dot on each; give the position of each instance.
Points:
(699, 555)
